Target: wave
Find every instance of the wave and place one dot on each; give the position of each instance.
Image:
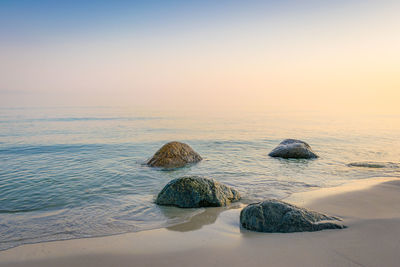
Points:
(72, 119)
(44, 149)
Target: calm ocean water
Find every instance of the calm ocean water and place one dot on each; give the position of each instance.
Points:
(78, 172)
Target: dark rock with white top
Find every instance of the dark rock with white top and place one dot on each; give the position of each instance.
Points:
(292, 148)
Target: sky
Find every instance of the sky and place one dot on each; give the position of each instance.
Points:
(278, 55)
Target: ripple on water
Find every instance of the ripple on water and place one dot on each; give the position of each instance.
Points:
(72, 175)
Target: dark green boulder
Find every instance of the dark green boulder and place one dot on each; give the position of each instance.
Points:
(195, 192)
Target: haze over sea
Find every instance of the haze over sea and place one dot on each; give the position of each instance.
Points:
(78, 172)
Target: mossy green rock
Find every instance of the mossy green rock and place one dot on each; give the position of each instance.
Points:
(195, 192)
(174, 155)
(292, 148)
(275, 216)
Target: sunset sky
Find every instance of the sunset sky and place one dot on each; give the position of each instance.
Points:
(322, 55)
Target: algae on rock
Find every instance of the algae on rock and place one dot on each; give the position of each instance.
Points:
(174, 155)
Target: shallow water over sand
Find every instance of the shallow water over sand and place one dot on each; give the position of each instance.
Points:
(78, 172)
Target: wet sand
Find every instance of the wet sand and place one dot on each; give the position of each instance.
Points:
(370, 208)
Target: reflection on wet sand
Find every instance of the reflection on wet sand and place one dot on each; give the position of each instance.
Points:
(209, 216)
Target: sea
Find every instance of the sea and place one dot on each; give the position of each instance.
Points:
(76, 172)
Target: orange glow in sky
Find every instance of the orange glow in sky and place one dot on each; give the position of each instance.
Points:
(342, 56)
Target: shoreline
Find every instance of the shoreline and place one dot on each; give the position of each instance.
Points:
(215, 237)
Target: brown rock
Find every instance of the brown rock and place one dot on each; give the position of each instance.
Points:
(174, 155)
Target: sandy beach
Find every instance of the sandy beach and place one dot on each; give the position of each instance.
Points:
(370, 209)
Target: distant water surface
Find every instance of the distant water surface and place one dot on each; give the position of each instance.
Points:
(78, 172)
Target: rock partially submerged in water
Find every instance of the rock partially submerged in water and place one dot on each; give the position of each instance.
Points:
(292, 148)
(371, 164)
(195, 192)
(174, 155)
(275, 216)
